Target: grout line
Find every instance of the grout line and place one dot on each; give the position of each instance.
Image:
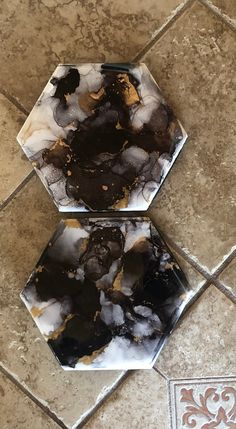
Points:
(176, 13)
(210, 277)
(24, 390)
(161, 373)
(97, 406)
(181, 252)
(223, 16)
(224, 264)
(222, 288)
(16, 190)
(170, 411)
(14, 101)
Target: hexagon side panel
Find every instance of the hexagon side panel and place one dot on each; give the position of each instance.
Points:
(101, 137)
(106, 293)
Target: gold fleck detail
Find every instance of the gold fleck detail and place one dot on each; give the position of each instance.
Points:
(136, 338)
(71, 275)
(87, 360)
(72, 223)
(61, 328)
(118, 280)
(118, 126)
(98, 95)
(130, 94)
(96, 315)
(123, 202)
(60, 142)
(88, 101)
(69, 173)
(37, 312)
(141, 245)
(67, 97)
(170, 265)
(39, 269)
(84, 244)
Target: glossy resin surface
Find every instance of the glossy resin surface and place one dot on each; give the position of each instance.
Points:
(106, 293)
(101, 137)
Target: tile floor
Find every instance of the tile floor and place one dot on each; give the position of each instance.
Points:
(190, 47)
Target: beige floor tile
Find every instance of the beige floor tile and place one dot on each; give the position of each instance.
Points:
(14, 167)
(19, 412)
(140, 403)
(49, 32)
(204, 343)
(194, 63)
(227, 7)
(228, 277)
(25, 227)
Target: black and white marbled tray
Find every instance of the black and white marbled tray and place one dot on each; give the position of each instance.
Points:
(101, 137)
(106, 293)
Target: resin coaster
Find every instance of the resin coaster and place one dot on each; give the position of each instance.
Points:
(106, 293)
(101, 137)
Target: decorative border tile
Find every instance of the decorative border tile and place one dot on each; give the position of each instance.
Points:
(208, 403)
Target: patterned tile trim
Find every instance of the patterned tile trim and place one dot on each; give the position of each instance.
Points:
(208, 403)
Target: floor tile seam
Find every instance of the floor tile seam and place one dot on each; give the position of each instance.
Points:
(171, 19)
(197, 266)
(217, 12)
(184, 255)
(14, 193)
(31, 396)
(207, 379)
(226, 291)
(13, 100)
(224, 264)
(88, 416)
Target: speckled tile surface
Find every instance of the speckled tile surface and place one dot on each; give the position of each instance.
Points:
(13, 163)
(143, 390)
(196, 203)
(19, 411)
(193, 60)
(48, 32)
(203, 345)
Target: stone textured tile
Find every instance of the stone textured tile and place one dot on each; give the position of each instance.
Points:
(141, 402)
(25, 227)
(49, 32)
(227, 7)
(203, 345)
(13, 165)
(228, 276)
(194, 63)
(210, 403)
(19, 412)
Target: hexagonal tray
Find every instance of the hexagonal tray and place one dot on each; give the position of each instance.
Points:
(106, 293)
(101, 137)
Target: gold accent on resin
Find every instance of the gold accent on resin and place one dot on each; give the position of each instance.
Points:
(37, 312)
(72, 223)
(118, 280)
(55, 334)
(87, 360)
(130, 94)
